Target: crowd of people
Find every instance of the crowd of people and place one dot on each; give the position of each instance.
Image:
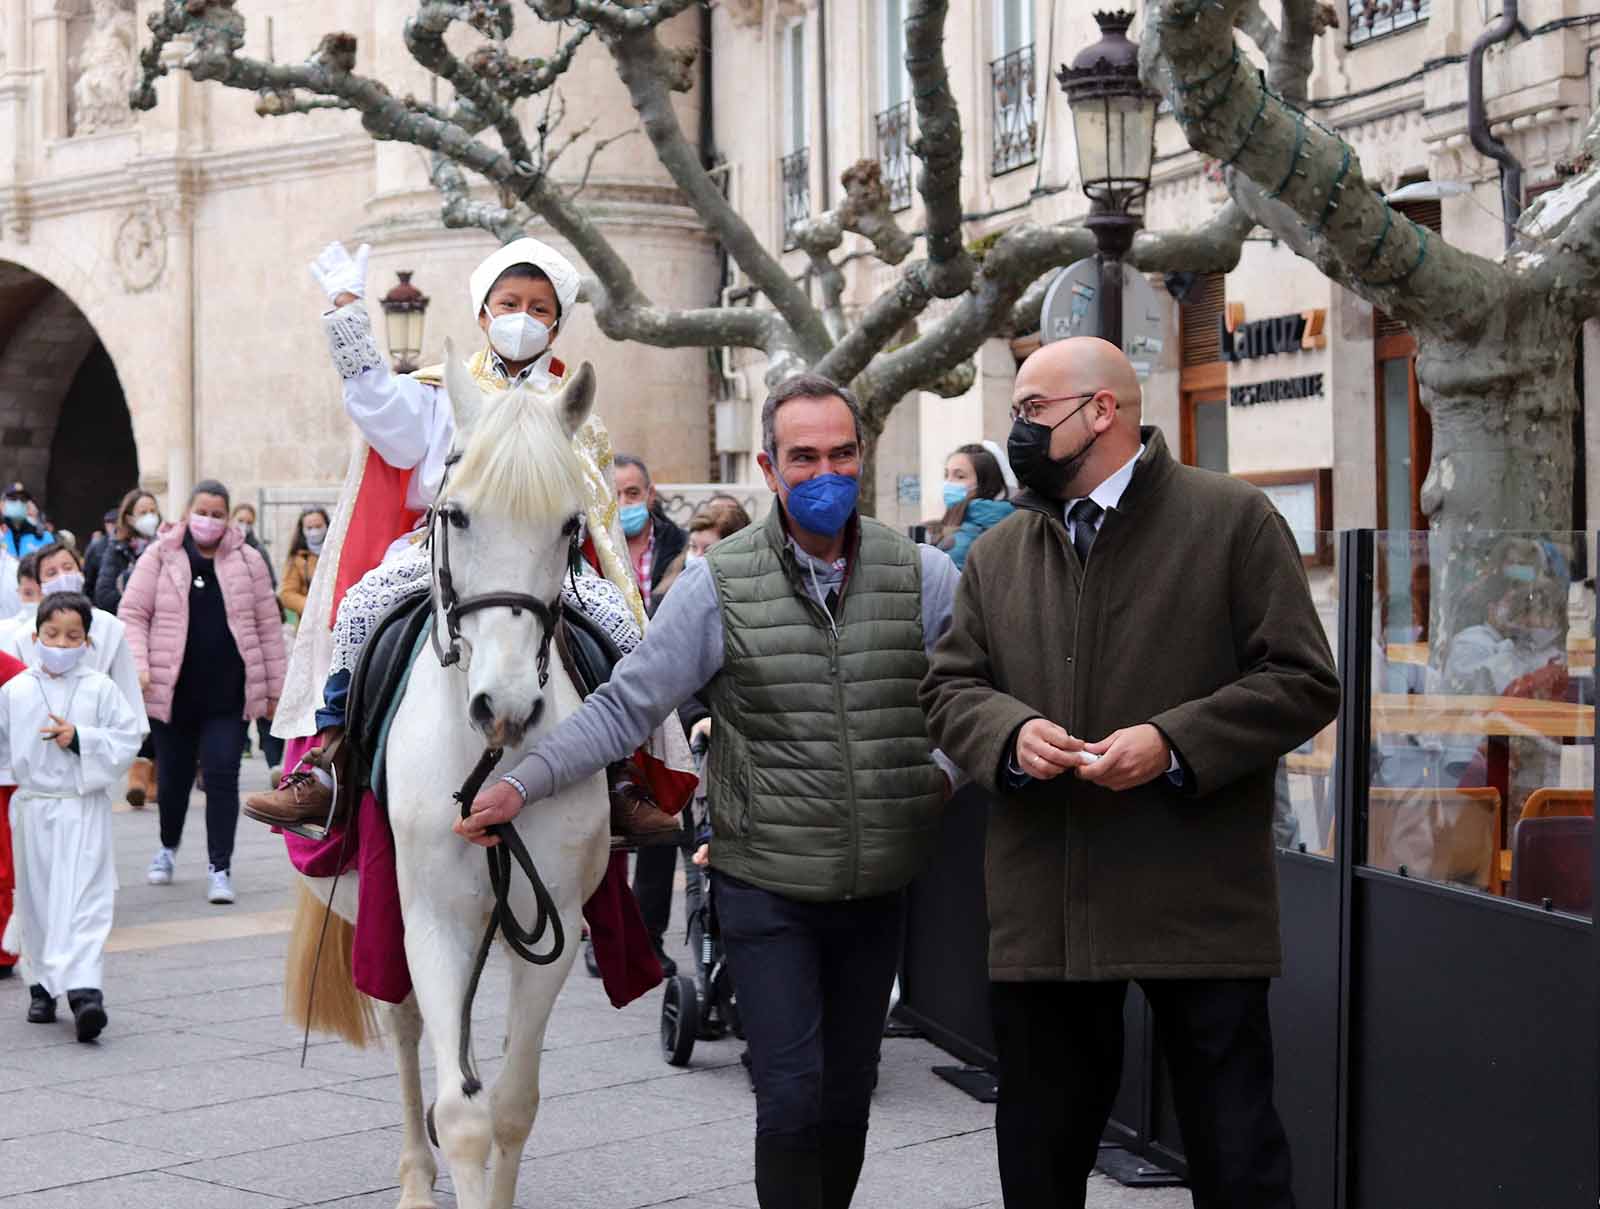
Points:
(848, 680)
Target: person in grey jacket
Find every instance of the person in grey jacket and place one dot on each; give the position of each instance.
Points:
(810, 632)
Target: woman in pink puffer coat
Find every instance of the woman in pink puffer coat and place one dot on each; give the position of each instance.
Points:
(207, 636)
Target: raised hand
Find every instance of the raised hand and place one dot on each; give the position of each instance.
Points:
(59, 731)
(342, 277)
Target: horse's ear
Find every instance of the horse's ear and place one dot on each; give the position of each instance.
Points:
(459, 384)
(576, 399)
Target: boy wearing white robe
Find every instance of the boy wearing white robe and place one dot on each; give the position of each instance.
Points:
(109, 654)
(68, 736)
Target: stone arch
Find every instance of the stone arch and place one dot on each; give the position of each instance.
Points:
(65, 429)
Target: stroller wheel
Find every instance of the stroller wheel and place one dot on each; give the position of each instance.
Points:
(680, 1019)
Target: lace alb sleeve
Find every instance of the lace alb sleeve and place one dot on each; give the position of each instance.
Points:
(350, 340)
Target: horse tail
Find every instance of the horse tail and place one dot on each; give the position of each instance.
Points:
(318, 974)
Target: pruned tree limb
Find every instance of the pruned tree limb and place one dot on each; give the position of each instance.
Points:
(938, 146)
(1353, 236)
(637, 58)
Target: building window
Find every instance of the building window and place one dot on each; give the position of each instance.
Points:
(1013, 87)
(794, 167)
(1371, 19)
(892, 122)
(894, 152)
(1203, 378)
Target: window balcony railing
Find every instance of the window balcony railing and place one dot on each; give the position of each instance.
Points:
(1016, 123)
(795, 169)
(1371, 19)
(894, 152)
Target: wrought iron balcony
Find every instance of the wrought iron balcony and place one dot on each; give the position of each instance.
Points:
(1371, 19)
(894, 152)
(796, 171)
(1016, 122)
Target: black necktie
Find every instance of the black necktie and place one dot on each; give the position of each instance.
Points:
(1085, 515)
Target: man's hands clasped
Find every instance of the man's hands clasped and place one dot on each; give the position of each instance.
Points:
(1122, 760)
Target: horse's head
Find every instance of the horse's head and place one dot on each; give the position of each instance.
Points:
(509, 519)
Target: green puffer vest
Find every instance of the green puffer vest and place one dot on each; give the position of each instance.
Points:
(821, 783)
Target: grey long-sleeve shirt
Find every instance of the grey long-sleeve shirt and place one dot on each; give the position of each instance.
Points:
(681, 654)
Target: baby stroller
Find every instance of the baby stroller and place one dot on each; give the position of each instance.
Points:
(701, 1006)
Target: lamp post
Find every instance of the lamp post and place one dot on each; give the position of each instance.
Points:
(1114, 120)
(405, 310)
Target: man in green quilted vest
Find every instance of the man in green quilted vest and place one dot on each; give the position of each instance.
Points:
(811, 633)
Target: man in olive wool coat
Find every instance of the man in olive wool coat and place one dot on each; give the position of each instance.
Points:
(1130, 655)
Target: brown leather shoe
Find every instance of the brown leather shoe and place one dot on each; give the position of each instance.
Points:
(637, 822)
(300, 804)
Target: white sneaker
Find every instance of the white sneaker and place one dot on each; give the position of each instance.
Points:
(161, 866)
(221, 890)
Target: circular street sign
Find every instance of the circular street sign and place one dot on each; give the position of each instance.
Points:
(1071, 309)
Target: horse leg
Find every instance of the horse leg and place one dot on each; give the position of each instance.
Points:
(417, 1166)
(440, 946)
(515, 1101)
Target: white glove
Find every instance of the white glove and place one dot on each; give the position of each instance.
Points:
(338, 273)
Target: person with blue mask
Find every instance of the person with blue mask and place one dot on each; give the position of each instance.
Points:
(975, 499)
(809, 632)
(21, 535)
(654, 542)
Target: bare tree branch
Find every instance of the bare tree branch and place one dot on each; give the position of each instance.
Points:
(938, 145)
(594, 153)
(1227, 111)
(424, 34)
(638, 60)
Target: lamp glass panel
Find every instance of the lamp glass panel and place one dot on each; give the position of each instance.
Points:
(413, 330)
(394, 330)
(1091, 126)
(1133, 122)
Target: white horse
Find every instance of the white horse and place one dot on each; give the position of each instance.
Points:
(512, 501)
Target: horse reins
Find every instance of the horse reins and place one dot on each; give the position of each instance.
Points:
(502, 918)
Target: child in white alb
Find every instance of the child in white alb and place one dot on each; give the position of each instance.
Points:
(68, 736)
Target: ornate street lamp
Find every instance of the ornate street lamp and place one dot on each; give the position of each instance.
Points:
(405, 311)
(1114, 119)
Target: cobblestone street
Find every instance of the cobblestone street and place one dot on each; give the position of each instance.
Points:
(195, 1097)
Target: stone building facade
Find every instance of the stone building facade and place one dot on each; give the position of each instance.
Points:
(157, 322)
(1391, 78)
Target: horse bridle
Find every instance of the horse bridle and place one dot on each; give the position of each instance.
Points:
(454, 606)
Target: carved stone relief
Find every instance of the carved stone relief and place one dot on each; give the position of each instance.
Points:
(744, 13)
(141, 250)
(104, 71)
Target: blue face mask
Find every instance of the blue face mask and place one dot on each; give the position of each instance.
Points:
(823, 504)
(634, 518)
(15, 510)
(954, 493)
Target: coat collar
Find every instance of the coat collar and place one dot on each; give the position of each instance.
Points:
(1149, 476)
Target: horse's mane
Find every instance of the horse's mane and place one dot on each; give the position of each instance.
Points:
(518, 461)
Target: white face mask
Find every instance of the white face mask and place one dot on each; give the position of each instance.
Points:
(147, 524)
(67, 581)
(518, 336)
(59, 660)
(314, 539)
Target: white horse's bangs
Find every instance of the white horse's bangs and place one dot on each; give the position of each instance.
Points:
(519, 462)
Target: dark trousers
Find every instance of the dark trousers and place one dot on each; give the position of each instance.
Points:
(1060, 1049)
(813, 981)
(653, 872)
(271, 745)
(215, 744)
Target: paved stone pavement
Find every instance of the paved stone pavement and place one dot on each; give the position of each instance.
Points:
(195, 1097)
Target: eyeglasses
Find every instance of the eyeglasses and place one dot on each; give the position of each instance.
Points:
(1031, 409)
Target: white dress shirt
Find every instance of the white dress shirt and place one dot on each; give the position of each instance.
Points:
(1108, 494)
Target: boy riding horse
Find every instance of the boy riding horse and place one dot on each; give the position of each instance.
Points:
(374, 557)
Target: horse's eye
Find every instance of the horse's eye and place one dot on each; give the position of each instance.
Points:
(457, 518)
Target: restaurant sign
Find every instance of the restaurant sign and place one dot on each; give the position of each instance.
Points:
(1276, 390)
(1241, 341)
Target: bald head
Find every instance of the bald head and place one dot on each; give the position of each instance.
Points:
(1086, 391)
(1080, 365)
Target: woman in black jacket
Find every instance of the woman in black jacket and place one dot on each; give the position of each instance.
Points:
(138, 521)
